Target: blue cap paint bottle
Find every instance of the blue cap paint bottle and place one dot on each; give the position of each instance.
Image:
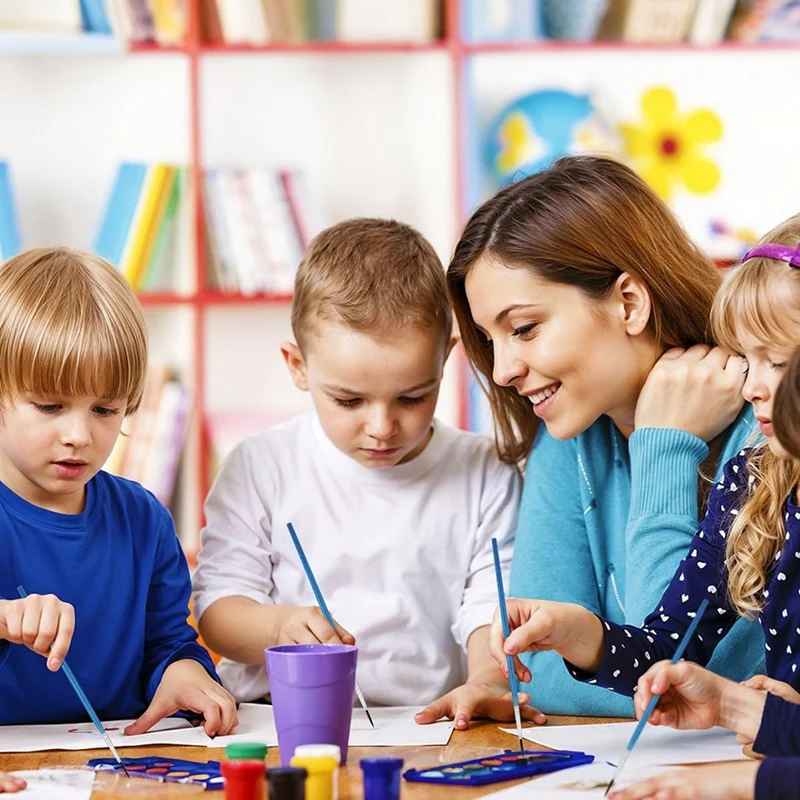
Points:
(381, 778)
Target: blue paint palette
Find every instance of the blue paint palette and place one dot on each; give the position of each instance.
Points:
(173, 770)
(507, 766)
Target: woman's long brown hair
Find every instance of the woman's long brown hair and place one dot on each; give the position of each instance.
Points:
(582, 222)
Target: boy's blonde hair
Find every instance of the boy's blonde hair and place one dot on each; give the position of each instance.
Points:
(376, 276)
(762, 297)
(70, 326)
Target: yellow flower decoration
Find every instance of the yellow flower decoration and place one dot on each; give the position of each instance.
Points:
(667, 147)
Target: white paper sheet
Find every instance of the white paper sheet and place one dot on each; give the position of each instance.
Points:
(657, 745)
(394, 727)
(56, 784)
(578, 782)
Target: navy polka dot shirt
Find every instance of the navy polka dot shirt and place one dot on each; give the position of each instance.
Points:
(630, 651)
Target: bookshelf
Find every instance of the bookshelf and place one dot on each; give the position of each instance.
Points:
(385, 129)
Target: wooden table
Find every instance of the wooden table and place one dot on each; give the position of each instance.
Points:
(481, 739)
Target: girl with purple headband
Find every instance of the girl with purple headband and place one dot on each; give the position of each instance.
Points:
(745, 557)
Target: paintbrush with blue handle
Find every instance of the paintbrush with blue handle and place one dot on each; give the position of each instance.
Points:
(85, 701)
(512, 676)
(655, 698)
(322, 605)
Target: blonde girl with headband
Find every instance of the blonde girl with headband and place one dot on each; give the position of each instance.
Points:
(746, 554)
(694, 698)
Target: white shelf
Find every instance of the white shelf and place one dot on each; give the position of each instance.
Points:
(42, 44)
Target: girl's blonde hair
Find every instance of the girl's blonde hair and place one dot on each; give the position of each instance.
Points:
(582, 222)
(760, 297)
(70, 326)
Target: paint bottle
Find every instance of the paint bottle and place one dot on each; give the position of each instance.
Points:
(321, 751)
(245, 779)
(381, 778)
(286, 783)
(248, 751)
(321, 769)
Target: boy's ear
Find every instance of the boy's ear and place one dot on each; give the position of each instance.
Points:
(633, 302)
(296, 364)
(450, 345)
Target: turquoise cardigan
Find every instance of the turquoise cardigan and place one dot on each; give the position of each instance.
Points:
(604, 522)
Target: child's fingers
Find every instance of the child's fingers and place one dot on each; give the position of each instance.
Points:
(496, 642)
(229, 716)
(521, 671)
(322, 631)
(63, 637)
(13, 611)
(443, 707)
(345, 635)
(502, 708)
(155, 712)
(211, 710)
(31, 615)
(10, 783)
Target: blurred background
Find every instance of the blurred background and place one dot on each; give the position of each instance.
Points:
(200, 144)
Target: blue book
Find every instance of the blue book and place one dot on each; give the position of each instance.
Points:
(10, 241)
(94, 16)
(502, 20)
(119, 212)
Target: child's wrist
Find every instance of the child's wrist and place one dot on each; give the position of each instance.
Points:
(741, 709)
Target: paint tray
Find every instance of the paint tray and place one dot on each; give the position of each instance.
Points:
(173, 770)
(507, 766)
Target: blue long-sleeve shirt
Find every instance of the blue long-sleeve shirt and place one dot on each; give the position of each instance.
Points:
(119, 563)
(604, 522)
(778, 777)
(630, 651)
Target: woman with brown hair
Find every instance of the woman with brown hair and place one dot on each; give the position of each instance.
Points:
(582, 303)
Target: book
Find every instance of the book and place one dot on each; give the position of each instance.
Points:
(711, 20)
(502, 20)
(119, 212)
(387, 20)
(10, 240)
(55, 16)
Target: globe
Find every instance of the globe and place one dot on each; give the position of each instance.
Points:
(538, 128)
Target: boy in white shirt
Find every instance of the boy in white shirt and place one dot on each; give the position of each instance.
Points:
(395, 510)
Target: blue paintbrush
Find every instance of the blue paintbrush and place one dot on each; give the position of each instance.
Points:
(512, 676)
(655, 698)
(85, 701)
(321, 603)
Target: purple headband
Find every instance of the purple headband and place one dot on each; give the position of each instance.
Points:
(780, 252)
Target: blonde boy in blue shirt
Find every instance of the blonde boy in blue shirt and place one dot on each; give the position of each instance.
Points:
(395, 510)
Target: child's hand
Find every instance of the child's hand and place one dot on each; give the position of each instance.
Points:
(186, 685)
(8, 783)
(307, 625)
(718, 782)
(778, 688)
(691, 697)
(43, 623)
(537, 625)
(479, 699)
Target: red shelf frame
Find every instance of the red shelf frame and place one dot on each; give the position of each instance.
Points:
(459, 52)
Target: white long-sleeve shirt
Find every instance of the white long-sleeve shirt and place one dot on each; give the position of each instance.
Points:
(402, 555)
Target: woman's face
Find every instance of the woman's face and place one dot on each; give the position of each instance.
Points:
(572, 356)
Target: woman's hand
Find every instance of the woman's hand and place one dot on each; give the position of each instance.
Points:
(698, 390)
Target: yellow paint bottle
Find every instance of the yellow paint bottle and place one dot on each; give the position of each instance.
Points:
(322, 765)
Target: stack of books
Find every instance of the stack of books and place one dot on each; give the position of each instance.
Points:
(150, 448)
(258, 223)
(146, 223)
(259, 22)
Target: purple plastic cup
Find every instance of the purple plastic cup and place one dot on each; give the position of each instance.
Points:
(312, 688)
